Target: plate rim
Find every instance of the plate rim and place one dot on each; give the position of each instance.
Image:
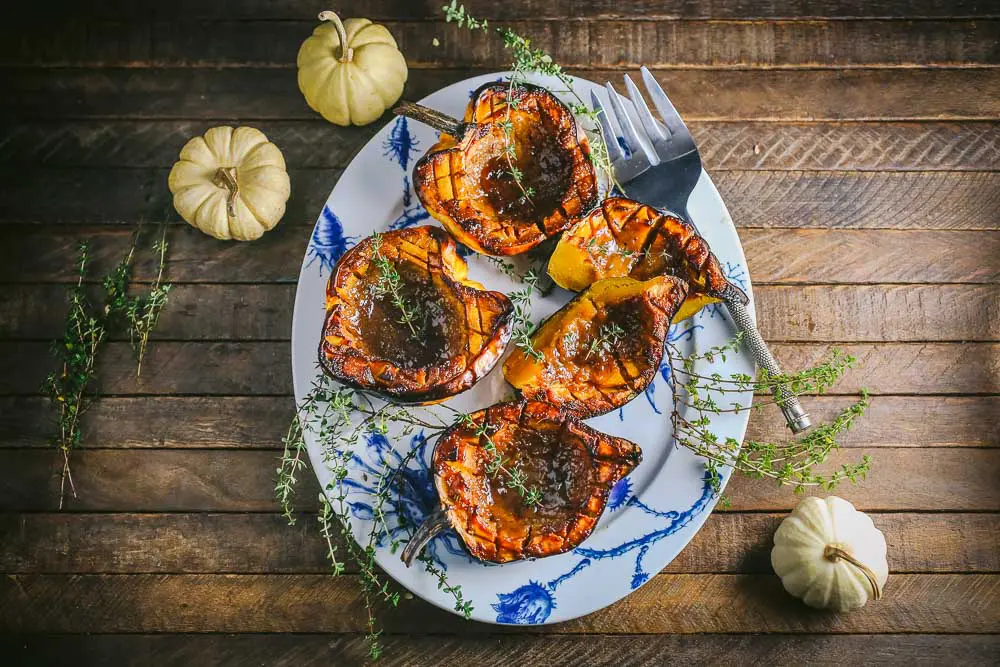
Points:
(696, 522)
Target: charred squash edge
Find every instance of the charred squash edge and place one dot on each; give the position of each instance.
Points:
(628, 455)
(697, 298)
(333, 361)
(583, 409)
(455, 138)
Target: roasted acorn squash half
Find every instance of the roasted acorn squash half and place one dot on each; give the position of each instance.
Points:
(601, 349)
(404, 320)
(571, 466)
(623, 237)
(466, 180)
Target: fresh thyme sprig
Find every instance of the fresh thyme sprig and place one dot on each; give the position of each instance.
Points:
(391, 283)
(498, 467)
(338, 418)
(607, 337)
(523, 326)
(791, 463)
(88, 326)
(525, 60)
(143, 312)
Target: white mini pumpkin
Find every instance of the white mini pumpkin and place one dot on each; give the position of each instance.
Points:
(830, 555)
(355, 84)
(230, 183)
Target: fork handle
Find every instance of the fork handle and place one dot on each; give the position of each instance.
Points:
(735, 301)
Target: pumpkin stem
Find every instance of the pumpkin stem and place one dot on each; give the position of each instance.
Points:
(439, 121)
(832, 552)
(225, 177)
(346, 52)
(427, 531)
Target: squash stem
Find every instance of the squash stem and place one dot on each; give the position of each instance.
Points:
(439, 121)
(427, 531)
(832, 552)
(346, 52)
(225, 177)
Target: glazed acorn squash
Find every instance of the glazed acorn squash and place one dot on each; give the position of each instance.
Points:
(572, 466)
(601, 349)
(404, 320)
(623, 237)
(466, 181)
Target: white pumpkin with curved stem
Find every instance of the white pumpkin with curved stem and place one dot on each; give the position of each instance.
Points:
(350, 71)
(230, 183)
(830, 555)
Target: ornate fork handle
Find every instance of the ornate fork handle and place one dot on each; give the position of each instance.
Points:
(735, 302)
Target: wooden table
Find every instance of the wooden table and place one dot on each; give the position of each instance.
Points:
(858, 150)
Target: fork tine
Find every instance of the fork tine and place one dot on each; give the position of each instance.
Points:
(654, 130)
(668, 113)
(607, 131)
(635, 145)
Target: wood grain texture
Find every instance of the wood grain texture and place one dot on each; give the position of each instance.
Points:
(251, 94)
(724, 146)
(729, 542)
(291, 10)
(165, 480)
(680, 603)
(863, 313)
(772, 199)
(249, 422)
(262, 368)
(306, 650)
(31, 254)
(592, 44)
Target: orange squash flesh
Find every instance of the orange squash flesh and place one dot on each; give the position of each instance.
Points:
(466, 182)
(572, 465)
(623, 237)
(462, 330)
(601, 349)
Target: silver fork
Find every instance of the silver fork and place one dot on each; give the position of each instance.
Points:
(661, 167)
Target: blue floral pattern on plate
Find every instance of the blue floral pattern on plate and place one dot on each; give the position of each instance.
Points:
(650, 515)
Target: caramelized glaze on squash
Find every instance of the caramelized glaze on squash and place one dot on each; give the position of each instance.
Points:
(461, 328)
(625, 238)
(466, 183)
(601, 349)
(572, 465)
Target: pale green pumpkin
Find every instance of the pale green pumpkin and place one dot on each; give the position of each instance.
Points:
(351, 71)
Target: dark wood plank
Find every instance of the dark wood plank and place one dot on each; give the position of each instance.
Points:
(290, 650)
(868, 313)
(597, 43)
(674, 603)
(772, 199)
(858, 146)
(250, 94)
(291, 10)
(262, 368)
(844, 200)
(165, 480)
(729, 542)
(249, 422)
(776, 256)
